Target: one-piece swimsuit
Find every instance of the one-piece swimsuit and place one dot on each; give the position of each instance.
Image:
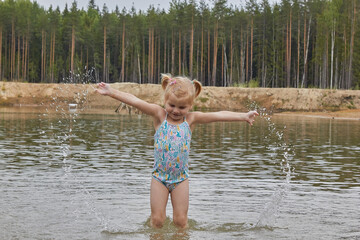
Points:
(171, 153)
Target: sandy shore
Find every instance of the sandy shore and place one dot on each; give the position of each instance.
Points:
(285, 101)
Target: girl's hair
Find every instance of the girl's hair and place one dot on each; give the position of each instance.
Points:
(181, 87)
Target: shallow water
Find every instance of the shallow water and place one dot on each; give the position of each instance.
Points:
(87, 176)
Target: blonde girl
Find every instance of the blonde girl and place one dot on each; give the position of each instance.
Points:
(174, 124)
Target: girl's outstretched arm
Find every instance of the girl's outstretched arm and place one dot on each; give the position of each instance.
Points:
(222, 116)
(129, 99)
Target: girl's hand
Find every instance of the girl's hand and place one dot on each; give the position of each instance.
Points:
(250, 117)
(103, 89)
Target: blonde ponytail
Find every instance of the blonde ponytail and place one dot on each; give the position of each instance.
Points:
(165, 80)
(197, 86)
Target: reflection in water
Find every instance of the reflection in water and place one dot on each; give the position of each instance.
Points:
(88, 176)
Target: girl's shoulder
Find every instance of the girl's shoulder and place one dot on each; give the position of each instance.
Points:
(191, 116)
(191, 119)
(160, 118)
(162, 114)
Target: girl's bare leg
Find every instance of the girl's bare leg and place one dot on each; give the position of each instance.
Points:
(180, 203)
(159, 195)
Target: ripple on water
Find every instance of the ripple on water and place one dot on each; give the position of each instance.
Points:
(105, 192)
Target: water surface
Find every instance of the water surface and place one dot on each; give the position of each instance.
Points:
(87, 176)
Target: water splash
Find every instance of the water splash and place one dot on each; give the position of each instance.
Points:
(60, 120)
(281, 153)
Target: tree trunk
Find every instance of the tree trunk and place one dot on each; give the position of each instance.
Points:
(26, 55)
(263, 73)
(72, 51)
(116, 51)
(45, 58)
(12, 65)
(139, 67)
(42, 56)
(158, 57)
(154, 62)
(343, 83)
(168, 56)
(198, 60)
(23, 58)
(306, 50)
(231, 57)
(201, 54)
(6, 57)
(247, 57)
(273, 79)
(323, 78)
(53, 58)
(179, 52)
(1, 52)
(298, 55)
(50, 57)
(165, 49)
(251, 48)
(352, 36)
(213, 78)
(172, 52)
(208, 66)
(332, 53)
(336, 73)
(222, 65)
(226, 67)
(104, 63)
(18, 59)
(108, 57)
(288, 62)
(123, 54)
(149, 57)
(287, 52)
(184, 58)
(143, 59)
(152, 54)
(191, 49)
(242, 58)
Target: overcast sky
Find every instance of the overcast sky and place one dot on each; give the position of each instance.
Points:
(111, 4)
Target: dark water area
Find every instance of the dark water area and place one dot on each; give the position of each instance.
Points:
(68, 175)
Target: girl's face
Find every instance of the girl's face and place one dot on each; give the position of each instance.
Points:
(177, 108)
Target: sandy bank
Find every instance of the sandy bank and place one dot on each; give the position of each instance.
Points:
(324, 102)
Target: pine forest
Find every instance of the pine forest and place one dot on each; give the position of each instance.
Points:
(288, 44)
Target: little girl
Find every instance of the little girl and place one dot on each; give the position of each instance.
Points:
(174, 124)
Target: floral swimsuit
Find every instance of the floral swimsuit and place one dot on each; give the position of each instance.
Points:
(172, 147)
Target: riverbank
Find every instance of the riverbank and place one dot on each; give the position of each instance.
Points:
(313, 102)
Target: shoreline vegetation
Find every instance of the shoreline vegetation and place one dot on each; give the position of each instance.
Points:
(284, 101)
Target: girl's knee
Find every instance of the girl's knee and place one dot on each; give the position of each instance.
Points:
(181, 221)
(157, 221)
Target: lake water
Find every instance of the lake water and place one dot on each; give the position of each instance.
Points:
(87, 176)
